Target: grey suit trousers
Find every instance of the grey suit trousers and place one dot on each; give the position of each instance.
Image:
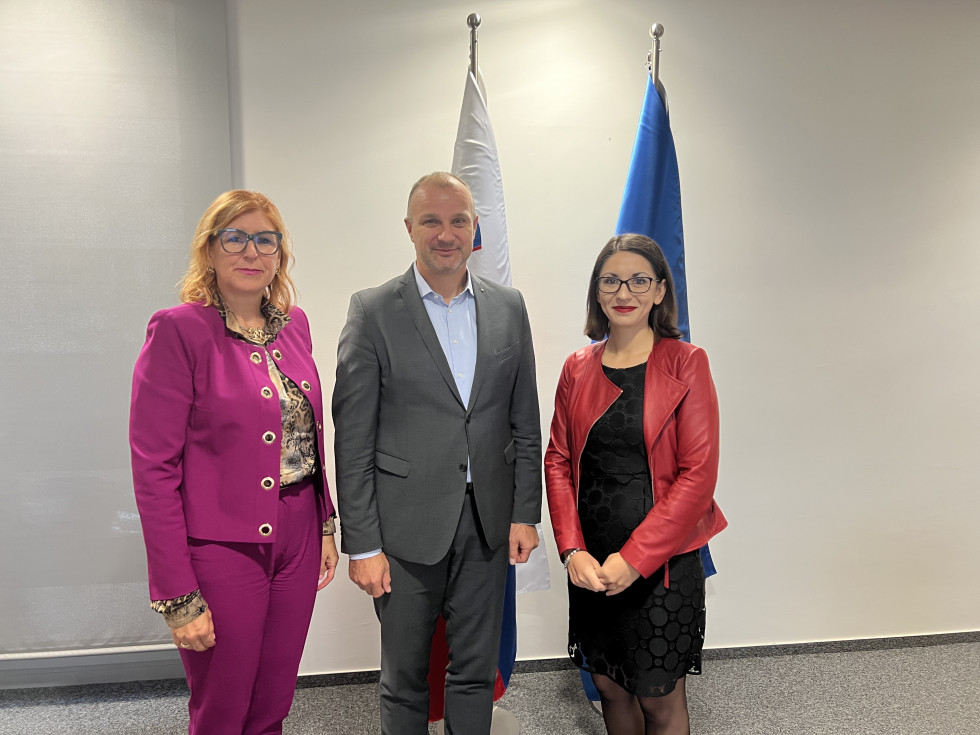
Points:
(467, 587)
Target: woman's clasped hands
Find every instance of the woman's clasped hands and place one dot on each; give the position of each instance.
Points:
(612, 577)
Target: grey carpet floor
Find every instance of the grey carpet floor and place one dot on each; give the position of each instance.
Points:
(916, 690)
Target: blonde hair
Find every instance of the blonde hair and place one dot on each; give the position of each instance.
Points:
(199, 284)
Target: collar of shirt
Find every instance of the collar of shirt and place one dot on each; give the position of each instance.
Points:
(275, 320)
(425, 289)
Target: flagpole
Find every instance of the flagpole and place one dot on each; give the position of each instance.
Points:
(473, 21)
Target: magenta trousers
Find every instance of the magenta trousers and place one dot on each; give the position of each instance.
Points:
(261, 599)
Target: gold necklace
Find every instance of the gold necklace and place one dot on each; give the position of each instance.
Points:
(256, 334)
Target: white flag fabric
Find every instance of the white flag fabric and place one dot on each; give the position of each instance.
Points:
(475, 161)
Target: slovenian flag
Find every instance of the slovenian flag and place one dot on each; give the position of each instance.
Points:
(475, 161)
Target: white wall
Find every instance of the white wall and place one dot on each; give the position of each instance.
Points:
(830, 164)
(114, 136)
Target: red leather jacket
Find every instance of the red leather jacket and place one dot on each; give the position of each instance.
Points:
(680, 427)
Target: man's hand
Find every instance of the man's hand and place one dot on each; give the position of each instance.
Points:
(616, 573)
(523, 540)
(373, 575)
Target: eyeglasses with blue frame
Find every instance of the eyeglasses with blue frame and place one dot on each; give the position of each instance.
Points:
(235, 241)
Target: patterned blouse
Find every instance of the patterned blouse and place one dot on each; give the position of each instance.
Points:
(298, 431)
(299, 443)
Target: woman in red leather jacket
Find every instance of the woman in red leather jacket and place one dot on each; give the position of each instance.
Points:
(631, 469)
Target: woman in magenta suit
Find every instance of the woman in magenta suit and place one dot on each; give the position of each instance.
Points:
(630, 470)
(226, 432)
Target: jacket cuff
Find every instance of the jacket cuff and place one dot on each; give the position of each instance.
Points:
(181, 610)
(633, 556)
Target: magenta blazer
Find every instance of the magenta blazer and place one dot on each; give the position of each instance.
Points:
(204, 431)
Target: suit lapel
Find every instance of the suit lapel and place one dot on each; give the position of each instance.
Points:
(409, 292)
(484, 344)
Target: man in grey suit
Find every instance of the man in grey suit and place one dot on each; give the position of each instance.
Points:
(438, 456)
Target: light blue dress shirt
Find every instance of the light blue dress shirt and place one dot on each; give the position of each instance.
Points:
(455, 325)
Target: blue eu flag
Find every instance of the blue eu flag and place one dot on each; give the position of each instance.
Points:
(652, 198)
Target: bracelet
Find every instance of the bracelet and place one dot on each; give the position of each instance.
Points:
(568, 558)
(329, 527)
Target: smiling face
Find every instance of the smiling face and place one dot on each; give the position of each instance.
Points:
(625, 309)
(245, 275)
(441, 224)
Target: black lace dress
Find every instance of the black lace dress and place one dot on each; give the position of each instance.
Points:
(646, 637)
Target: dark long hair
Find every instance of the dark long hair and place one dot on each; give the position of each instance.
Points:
(663, 316)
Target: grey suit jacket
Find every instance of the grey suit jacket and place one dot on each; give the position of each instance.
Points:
(403, 435)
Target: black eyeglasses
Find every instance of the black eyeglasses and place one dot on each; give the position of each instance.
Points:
(235, 241)
(637, 284)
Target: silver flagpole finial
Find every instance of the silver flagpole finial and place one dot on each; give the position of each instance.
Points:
(656, 31)
(473, 21)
